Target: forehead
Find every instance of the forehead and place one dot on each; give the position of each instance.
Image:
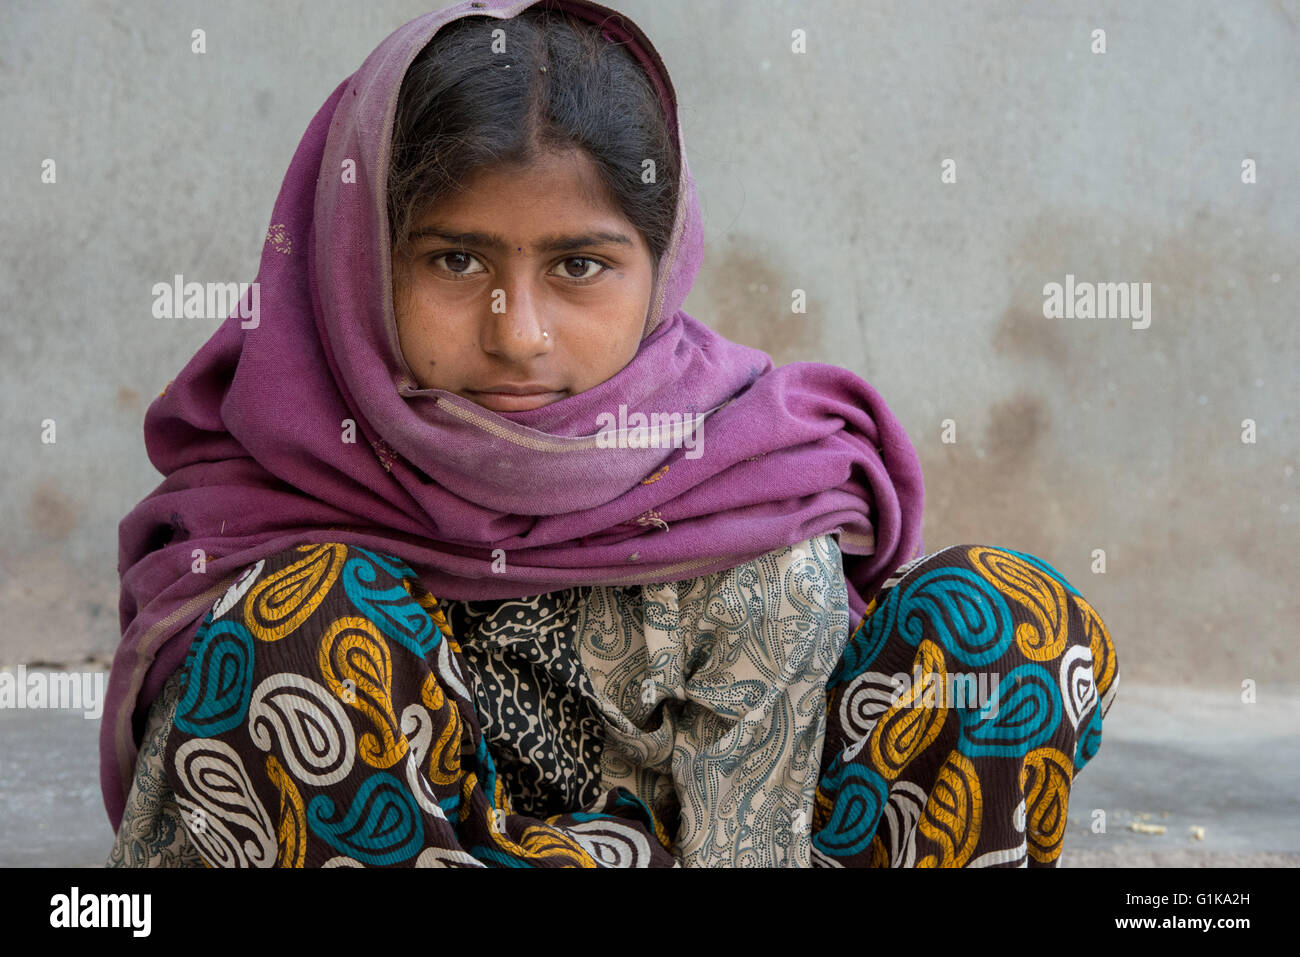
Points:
(547, 207)
(567, 182)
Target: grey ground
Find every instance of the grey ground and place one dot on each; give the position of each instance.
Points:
(1172, 757)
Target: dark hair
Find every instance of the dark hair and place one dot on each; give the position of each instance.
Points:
(461, 109)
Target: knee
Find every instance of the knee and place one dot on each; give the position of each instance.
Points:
(1000, 608)
(342, 613)
(276, 597)
(995, 563)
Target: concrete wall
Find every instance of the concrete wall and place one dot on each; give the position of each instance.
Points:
(818, 171)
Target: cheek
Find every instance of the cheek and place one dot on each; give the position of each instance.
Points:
(418, 332)
(423, 346)
(606, 357)
(407, 327)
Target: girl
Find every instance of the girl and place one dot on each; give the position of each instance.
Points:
(504, 559)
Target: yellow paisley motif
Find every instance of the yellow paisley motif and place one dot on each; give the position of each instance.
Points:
(954, 814)
(1040, 593)
(431, 693)
(1045, 779)
(661, 832)
(871, 607)
(444, 755)
(541, 841)
(291, 834)
(429, 604)
(878, 856)
(501, 799)
(354, 650)
(538, 840)
(281, 602)
(1103, 652)
(467, 786)
(910, 725)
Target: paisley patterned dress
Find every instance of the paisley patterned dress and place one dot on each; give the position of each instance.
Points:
(331, 712)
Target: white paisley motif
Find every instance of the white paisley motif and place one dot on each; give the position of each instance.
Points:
(867, 697)
(446, 857)
(449, 671)
(610, 843)
(902, 811)
(822, 860)
(1109, 697)
(314, 733)
(237, 591)
(993, 858)
(1078, 689)
(214, 791)
(215, 843)
(343, 861)
(417, 725)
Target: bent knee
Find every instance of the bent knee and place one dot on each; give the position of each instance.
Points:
(991, 603)
(288, 602)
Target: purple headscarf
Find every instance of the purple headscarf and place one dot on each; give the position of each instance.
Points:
(248, 434)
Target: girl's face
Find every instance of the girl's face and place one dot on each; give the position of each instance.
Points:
(523, 288)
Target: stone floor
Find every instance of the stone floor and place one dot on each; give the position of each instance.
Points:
(1171, 758)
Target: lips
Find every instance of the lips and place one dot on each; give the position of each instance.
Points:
(528, 388)
(515, 398)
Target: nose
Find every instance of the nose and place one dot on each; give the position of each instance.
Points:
(512, 328)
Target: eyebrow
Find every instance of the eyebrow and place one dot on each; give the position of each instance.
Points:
(546, 244)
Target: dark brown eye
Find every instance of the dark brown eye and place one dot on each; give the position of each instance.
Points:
(456, 263)
(584, 272)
